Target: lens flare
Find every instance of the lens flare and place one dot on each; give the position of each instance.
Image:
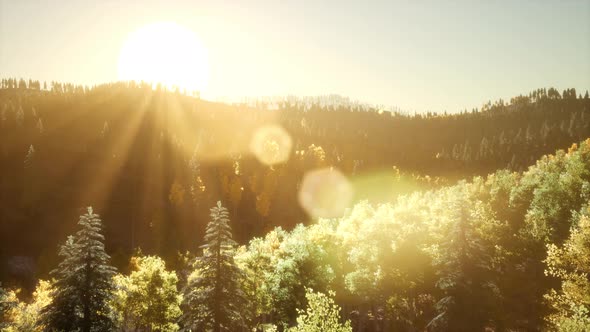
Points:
(325, 193)
(271, 144)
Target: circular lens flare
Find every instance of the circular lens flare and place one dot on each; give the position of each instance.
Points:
(271, 144)
(325, 193)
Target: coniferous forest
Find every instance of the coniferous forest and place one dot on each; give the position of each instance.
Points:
(154, 210)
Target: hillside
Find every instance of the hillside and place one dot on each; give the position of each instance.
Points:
(153, 162)
(509, 249)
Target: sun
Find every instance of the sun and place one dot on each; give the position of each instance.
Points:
(164, 53)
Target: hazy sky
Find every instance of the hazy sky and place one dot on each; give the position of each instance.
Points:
(418, 55)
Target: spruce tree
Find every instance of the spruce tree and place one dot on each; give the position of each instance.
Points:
(83, 282)
(20, 116)
(40, 126)
(213, 298)
(464, 277)
(30, 156)
(105, 130)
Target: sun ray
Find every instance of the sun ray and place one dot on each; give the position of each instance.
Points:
(99, 188)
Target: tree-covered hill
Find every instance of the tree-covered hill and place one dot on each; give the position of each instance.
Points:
(154, 161)
(505, 252)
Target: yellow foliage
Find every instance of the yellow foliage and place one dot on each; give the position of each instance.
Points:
(318, 154)
(24, 316)
(571, 264)
(176, 195)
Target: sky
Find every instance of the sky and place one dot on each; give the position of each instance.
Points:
(416, 55)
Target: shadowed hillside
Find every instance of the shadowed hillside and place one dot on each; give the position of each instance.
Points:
(154, 161)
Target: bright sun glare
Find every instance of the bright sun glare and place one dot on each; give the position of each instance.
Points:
(165, 53)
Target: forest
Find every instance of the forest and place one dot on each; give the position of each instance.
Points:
(158, 211)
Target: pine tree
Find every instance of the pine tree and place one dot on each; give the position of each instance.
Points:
(40, 126)
(483, 149)
(455, 153)
(463, 277)
(466, 155)
(61, 314)
(30, 156)
(4, 114)
(20, 117)
(213, 297)
(83, 282)
(105, 130)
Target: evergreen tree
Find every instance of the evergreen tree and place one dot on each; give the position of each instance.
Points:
(30, 156)
(40, 126)
(464, 276)
(466, 157)
(213, 297)
(4, 114)
(60, 314)
(83, 282)
(483, 149)
(105, 130)
(20, 116)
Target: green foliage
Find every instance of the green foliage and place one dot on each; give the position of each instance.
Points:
(558, 185)
(213, 298)
(259, 261)
(321, 315)
(282, 264)
(570, 263)
(472, 246)
(83, 282)
(147, 298)
(465, 270)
